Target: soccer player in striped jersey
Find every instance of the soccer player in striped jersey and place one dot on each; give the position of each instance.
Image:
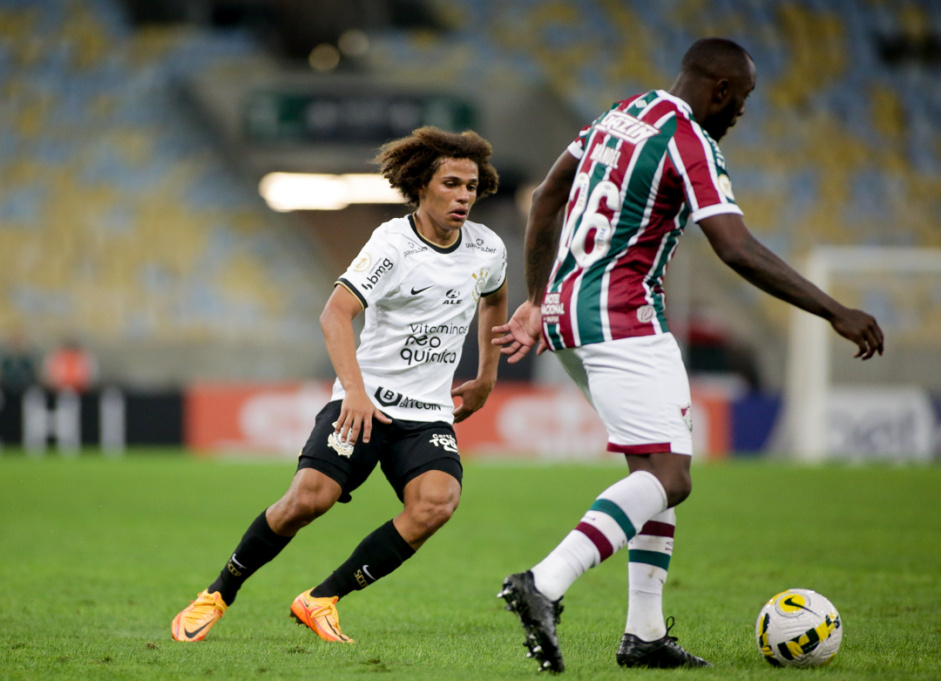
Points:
(602, 228)
(418, 281)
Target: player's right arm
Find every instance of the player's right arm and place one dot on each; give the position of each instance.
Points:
(545, 224)
(336, 322)
(737, 247)
(546, 215)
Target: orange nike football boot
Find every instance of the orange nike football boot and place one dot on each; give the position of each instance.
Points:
(196, 619)
(320, 614)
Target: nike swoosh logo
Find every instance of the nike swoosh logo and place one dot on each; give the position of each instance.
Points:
(366, 570)
(191, 634)
(415, 291)
(790, 601)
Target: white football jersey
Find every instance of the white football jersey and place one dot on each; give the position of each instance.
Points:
(419, 301)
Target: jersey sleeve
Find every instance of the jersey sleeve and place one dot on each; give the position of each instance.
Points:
(705, 179)
(497, 275)
(374, 272)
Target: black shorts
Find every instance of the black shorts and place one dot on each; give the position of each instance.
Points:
(404, 449)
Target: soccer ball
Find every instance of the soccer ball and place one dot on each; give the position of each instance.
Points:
(798, 628)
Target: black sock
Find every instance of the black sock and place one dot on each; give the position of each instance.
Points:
(376, 556)
(259, 545)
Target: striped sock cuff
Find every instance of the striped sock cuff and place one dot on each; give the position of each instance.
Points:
(611, 509)
(597, 537)
(607, 526)
(658, 529)
(608, 523)
(655, 558)
(653, 545)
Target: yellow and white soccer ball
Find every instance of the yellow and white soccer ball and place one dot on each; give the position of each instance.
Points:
(798, 628)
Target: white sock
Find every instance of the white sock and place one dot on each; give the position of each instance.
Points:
(604, 529)
(649, 554)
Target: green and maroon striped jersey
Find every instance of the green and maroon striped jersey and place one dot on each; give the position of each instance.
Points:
(645, 168)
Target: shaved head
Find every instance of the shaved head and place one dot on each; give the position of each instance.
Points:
(715, 79)
(716, 58)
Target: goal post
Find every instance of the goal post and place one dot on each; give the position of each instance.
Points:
(882, 408)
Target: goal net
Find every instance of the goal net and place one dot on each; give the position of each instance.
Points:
(838, 407)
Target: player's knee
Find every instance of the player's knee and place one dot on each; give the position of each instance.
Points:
(298, 509)
(437, 512)
(431, 513)
(304, 508)
(673, 472)
(678, 488)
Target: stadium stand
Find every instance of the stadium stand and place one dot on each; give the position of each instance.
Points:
(121, 221)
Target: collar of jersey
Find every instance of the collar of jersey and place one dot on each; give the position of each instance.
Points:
(682, 103)
(440, 249)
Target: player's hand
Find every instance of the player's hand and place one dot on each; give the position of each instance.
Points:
(522, 332)
(861, 328)
(356, 413)
(473, 396)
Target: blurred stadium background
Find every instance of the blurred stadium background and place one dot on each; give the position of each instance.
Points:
(136, 138)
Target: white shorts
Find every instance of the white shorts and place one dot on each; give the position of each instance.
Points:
(640, 389)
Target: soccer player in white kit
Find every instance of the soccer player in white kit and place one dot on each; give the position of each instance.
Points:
(419, 279)
(603, 226)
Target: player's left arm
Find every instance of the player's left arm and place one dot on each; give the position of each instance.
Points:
(491, 313)
(737, 248)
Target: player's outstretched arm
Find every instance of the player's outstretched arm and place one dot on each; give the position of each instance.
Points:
(737, 248)
(524, 330)
(473, 394)
(336, 322)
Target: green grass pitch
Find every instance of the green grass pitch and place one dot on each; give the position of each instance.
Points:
(98, 555)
